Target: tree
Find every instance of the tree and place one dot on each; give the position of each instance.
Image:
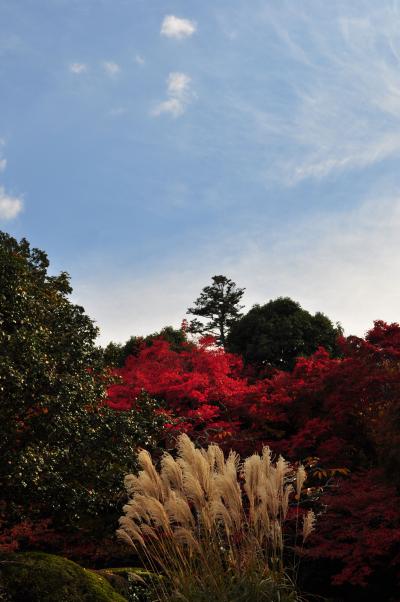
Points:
(343, 413)
(115, 354)
(220, 304)
(275, 334)
(339, 416)
(201, 385)
(63, 450)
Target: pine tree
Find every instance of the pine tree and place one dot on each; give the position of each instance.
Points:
(220, 304)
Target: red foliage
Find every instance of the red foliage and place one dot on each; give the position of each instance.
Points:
(334, 409)
(360, 528)
(342, 412)
(201, 385)
(41, 534)
(28, 535)
(346, 412)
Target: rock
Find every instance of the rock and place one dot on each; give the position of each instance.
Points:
(39, 577)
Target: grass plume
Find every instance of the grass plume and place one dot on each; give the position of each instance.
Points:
(214, 527)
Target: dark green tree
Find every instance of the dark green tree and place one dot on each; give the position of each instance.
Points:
(219, 304)
(63, 451)
(115, 354)
(275, 334)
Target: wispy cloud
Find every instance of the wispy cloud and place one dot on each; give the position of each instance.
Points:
(350, 119)
(10, 206)
(178, 28)
(352, 257)
(111, 68)
(139, 60)
(341, 73)
(78, 68)
(179, 95)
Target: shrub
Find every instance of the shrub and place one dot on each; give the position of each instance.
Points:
(213, 527)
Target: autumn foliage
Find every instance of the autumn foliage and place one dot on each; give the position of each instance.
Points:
(202, 387)
(66, 442)
(341, 416)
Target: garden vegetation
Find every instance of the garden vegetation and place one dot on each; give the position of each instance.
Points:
(213, 526)
(75, 419)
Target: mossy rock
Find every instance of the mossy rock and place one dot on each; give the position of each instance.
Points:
(39, 577)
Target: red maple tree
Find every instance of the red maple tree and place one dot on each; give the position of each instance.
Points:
(201, 386)
(344, 413)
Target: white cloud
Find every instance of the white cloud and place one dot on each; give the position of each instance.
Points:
(350, 119)
(342, 265)
(179, 95)
(111, 68)
(139, 60)
(175, 27)
(173, 106)
(78, 68)
(10, 206)
(178, 84)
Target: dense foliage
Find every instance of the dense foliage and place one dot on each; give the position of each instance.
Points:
(115, 354)
(70, 426)
(332, 413)
(201, 386)
(341, 411)
(277, 333)
(63, 450)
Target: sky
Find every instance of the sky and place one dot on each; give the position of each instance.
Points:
(147, 146)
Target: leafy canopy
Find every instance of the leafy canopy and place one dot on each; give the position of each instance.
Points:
(200, 384)
(275, 334)
(115, 354)
(56, 431)
(339, 416)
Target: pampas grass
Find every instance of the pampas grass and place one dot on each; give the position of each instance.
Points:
(213, 526)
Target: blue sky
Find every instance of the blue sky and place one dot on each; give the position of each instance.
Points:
(147, 146)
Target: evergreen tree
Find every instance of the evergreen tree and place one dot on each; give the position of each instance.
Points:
(219, 303)
(275, 334)
(63, 451)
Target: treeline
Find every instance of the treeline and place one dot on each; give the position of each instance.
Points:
(269, 336)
